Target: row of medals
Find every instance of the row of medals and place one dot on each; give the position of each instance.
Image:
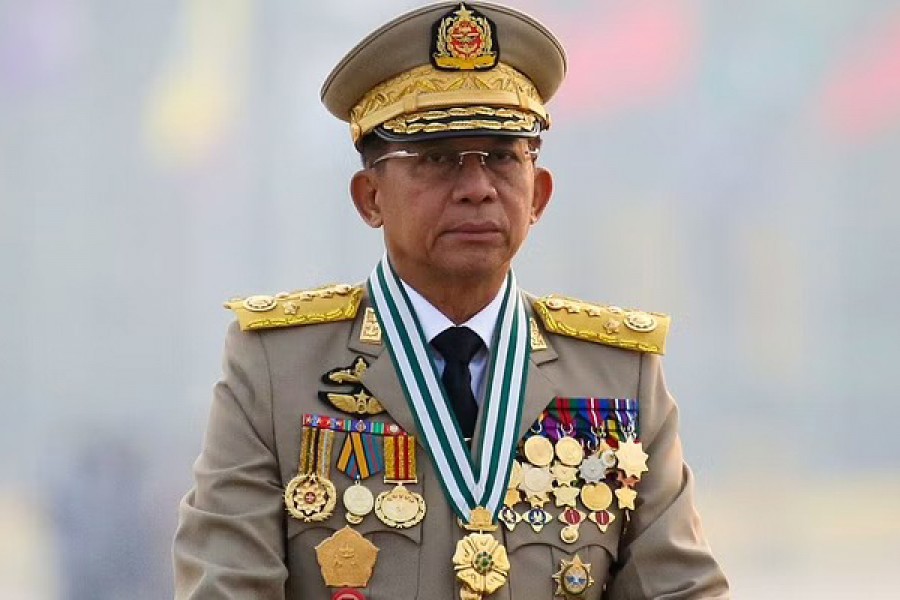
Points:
(574, 480)
(561, 470)
(312, 497)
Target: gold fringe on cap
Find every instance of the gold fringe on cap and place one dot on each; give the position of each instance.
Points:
(421, 90)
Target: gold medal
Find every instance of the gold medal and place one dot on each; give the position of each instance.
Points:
(565, 495)
(564, 475)
(537, 482)
(481, 565)
(596, 496)
(358, 501)
(400, 507)
(632, 458)
(538, 451)
(569, 451)
(310, 496)
(626, 497)
(480, 560)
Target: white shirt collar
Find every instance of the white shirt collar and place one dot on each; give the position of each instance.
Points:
(433, 321)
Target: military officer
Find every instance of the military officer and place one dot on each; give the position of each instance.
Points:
(436, 432)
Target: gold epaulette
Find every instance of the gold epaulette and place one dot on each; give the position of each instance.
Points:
(611, 325)
(321, 305)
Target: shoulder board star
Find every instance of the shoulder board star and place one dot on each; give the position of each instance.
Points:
(321, 305)
(624, 328)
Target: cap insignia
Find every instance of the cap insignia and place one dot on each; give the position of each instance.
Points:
(463, 40)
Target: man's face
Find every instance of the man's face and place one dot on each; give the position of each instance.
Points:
(445, 221)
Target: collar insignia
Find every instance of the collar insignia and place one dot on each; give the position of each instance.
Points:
(463, 40)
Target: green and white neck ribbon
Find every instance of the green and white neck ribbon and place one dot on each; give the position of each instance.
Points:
(466, 485)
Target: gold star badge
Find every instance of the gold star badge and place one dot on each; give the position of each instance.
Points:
(632, 458)
(565, 495)
(626, 497)
(564, 475)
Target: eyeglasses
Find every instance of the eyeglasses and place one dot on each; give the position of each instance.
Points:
(441, 163)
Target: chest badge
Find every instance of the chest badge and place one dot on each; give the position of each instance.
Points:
(357, 400)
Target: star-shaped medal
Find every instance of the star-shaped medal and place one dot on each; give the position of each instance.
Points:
(632, 458)
(626, 497)
(592, 470)
(537, 482)
(564, 475)
(565, 495)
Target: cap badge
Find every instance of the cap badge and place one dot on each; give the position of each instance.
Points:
(463, 40)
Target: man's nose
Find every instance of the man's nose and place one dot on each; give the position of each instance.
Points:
(473, 181)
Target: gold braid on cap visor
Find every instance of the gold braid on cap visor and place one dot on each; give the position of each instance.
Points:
(413, 101)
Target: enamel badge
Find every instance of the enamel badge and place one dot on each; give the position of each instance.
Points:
(573, 578)
(463, 40)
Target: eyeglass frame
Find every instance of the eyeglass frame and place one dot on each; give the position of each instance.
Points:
(530, 153)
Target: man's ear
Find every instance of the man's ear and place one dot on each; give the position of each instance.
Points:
(364, 191)
(543, 190)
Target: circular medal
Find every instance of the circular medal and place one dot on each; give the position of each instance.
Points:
(310, 498)
(536, 482)
(569, 451)
(569, 534)
(359, 501)
(596, 496)
(400, 507)
(539, 451)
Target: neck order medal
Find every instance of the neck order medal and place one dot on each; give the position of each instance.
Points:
(475, 492)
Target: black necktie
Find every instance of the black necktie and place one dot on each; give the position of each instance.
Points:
(458, 345)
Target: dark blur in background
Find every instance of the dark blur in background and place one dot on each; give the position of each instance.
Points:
(731, 163)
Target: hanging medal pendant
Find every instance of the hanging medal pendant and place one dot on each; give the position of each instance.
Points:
(480, 561)
(359, 458)
(358, 502)
(631, 458)
(310, 496)
(400, 507)
(538, 451)
(569, 450)
(572, 518)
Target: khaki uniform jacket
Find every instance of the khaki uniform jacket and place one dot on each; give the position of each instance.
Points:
(236, 540)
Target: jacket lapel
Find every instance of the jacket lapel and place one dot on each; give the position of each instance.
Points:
(382, 381)
(381, 378)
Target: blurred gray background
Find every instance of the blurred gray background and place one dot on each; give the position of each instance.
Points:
(734, 164)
